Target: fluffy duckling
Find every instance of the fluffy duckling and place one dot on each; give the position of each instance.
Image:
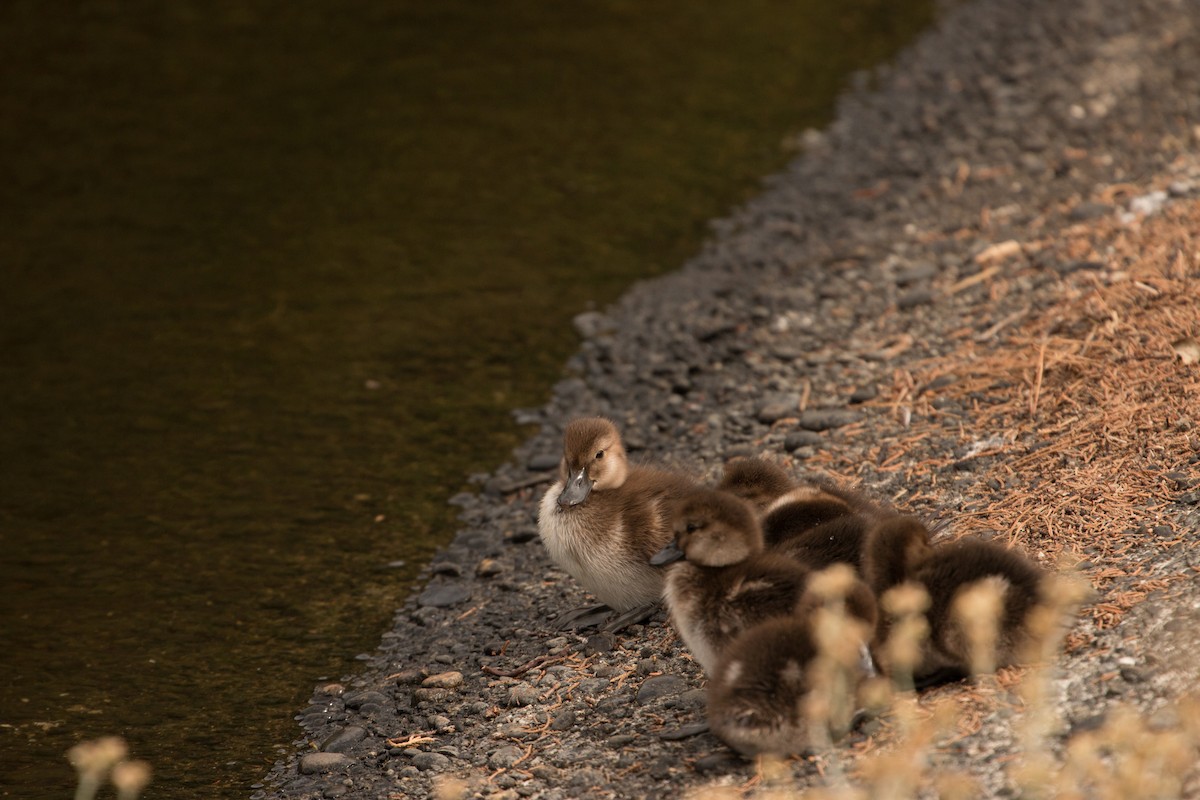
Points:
(758, 482)
(820, 524)
(720, 581)
(757, 694)
(899, 550)
(604, 518)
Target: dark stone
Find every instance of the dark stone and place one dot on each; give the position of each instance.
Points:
(1163, 531)
(1182, 480)
(1131, 675)
(444, 595)
(660, 686)
(343, 740)
(716, 763)
(359, 699)
(430, 761)
(797, 439)
(917, 297)
(313, 763)
(521, 535)
(864, 393)
(824, 419)
(543, 462)
(503, 757)
(621, 739)
(600, 643)
(563, 720)
(446, 567)
(1089, 210)
(777, 408)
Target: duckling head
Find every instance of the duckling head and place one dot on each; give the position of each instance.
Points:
(712, 529)
(756, 481)
(593, 459)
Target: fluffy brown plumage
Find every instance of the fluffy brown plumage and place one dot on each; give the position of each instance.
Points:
(604, 518)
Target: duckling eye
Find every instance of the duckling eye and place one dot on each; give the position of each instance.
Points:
(599, 455)
(692, 527)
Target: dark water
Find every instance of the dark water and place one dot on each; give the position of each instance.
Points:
(274, 273)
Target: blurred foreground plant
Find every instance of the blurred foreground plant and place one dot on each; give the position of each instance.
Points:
(105, 758)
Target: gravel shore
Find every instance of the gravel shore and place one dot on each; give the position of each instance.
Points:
(998, 166)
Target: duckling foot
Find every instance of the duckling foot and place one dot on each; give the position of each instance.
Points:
(582, 617)
(633, 616)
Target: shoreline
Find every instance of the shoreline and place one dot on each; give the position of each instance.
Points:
(824, 324)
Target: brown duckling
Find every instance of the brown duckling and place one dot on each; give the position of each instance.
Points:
(720, 581)
(757, 481)
(604, 518)
(899, 550)
(757, 695)
(820, 524)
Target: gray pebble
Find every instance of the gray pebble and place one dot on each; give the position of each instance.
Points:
(777, 408)
(430, 761)
(797, 439)
(543, 462)
(660, 686)
(322, 762)
(563, 720)
(444, 595)
(917, 297)
(824, 419)
(505, 756)
(344, 739)
(521, 695)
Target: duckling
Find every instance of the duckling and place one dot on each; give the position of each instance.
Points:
(757, 694)
(720, 581)
(757, 481)
(604, 518)
(899, 549)
(820, 524)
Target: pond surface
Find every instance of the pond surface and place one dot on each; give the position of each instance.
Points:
(274, 274)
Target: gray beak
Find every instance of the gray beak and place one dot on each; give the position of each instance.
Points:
(578, 487)
(668, 555)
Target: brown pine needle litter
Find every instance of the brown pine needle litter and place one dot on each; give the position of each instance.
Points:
(1089, 406)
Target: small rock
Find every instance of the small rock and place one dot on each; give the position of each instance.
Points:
(797, 439)
(444, 680)
(313, 763)
(590, 324)
(719, 763)
(825, 419)
(489, 568)
(917, 297)
(426, 695)
(444, 567)
(563, 720)
(1163, 531)
(864, 393)
(1089, 210)
(660, 686)
(543, 462)
(343, 740)
(444, 595)
(435, 762)
(521, 694)
(359, 699)
(621, 739)
(506, 756)
(602, 642)
(777, 408)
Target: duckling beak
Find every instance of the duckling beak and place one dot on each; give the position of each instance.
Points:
(578, 487)
(668, 555)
